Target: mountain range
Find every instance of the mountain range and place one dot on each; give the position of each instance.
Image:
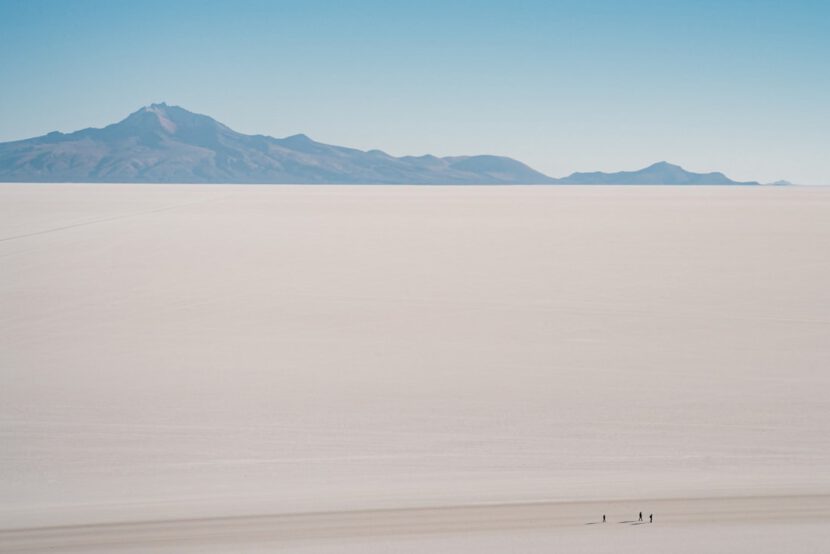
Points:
(168, 144)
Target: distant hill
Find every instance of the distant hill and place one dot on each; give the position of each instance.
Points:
(661, 173)
(168, 144)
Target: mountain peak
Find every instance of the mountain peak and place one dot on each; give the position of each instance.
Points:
(150, 118)
(172, 120)
(664, 165)
(660, 173)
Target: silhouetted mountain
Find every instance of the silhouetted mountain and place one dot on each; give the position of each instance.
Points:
(168, 144)
(661, 173)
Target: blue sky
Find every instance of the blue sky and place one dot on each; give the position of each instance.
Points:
(741, 86)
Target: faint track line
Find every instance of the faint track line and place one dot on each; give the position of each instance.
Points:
(112, 218)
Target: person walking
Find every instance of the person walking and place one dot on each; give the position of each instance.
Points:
(651, 518)
(641, 517)
(603, 518)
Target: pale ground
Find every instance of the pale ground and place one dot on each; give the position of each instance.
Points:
(170, 353)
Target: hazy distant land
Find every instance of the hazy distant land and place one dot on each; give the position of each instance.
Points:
(168, 144)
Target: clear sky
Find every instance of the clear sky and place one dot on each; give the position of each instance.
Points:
(741, 86)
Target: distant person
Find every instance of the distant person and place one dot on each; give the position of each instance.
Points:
(641, 516)
(651, 518)
(603, 518)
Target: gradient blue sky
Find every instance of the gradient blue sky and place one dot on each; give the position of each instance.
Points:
(741, 86)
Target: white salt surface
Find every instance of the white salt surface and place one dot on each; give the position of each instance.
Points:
(180, 352)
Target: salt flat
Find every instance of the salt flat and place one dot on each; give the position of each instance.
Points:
(180, 353)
